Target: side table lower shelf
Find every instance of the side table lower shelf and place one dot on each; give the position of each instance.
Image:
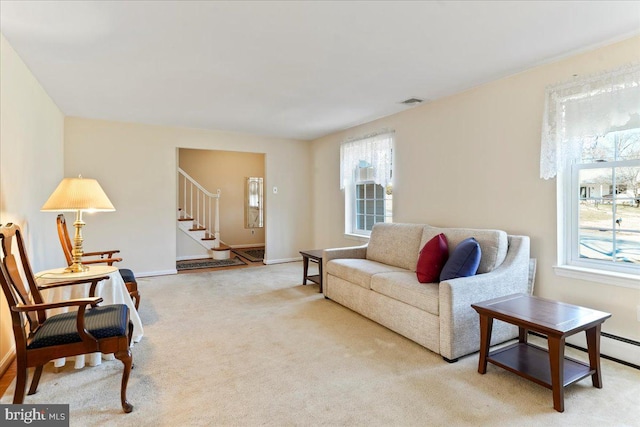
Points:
(315, 279)
(532, 362)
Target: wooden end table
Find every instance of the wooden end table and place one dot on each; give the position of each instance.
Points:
(549, 368)
(315, 255)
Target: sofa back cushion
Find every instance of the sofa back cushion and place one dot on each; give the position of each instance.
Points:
(493, 243)
(395, 244)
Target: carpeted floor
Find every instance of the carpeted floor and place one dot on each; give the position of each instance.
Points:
(252, 255)
(194, 264)
(253, 347)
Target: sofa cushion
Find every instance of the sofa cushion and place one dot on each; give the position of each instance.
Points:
(464, 260)
(404, 287)
(493, 243)
(395, 244)
(432, 258)
(358, 271)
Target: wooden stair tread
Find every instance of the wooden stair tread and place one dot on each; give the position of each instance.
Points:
(197, 229)
(185, 219)
(208, 238)
(222, 247)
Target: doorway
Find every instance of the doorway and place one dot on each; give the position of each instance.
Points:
(226, 171)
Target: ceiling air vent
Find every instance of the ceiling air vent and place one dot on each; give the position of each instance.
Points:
(412, 101)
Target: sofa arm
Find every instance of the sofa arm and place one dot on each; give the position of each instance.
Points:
(459, 323)
(335, 253)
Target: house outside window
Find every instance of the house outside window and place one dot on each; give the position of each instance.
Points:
(366, 172)
(591, 140)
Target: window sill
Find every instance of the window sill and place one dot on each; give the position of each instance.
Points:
(599, 276)
(357, 237)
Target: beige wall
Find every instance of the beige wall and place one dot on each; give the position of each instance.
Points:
(31, 144)
(472, 160)
(227, 171)
(136, 164)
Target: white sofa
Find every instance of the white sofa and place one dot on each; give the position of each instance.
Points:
(379, 281)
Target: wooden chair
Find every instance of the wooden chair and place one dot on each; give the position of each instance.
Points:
(127, 275)
(40, 339)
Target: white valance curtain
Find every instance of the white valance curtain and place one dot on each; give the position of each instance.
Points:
(583, 109)
(373, 150)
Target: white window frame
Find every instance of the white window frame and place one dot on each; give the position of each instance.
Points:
(357, 170)
(574, 111)
(354, 216)
(569, 262)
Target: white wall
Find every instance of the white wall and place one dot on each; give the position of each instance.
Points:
(472, 160)
(31, 144)
(187, 248)
(136, 165)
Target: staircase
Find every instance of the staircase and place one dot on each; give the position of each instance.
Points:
(198, 215)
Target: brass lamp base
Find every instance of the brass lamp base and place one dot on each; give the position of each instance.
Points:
(76, 268)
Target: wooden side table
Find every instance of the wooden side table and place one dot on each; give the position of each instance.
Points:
(549, 368)
(315, 255)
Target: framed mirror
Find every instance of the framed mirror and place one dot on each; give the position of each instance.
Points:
(254, 212)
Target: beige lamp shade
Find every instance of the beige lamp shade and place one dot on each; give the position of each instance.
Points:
(74, 194)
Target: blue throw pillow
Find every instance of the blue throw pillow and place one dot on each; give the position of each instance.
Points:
(463, 261)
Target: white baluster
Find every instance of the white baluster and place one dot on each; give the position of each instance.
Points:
(217, 218)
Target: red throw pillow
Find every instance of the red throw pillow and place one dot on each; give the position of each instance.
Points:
(432, 258)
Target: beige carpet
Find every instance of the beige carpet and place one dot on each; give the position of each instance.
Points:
(253, 347)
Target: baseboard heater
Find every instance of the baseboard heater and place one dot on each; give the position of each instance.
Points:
(604, 356)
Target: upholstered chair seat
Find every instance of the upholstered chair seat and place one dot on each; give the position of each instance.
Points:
(101, 322)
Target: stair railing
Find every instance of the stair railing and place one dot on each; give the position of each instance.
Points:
(196, 203)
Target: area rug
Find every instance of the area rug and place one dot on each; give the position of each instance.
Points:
(207, 263)
(251, 254)
(253, 347)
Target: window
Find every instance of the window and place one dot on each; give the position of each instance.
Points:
(373, 203)
(606, 210)
(366, 172)
(591, 140)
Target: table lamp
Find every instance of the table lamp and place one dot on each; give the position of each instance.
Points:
(78, 195)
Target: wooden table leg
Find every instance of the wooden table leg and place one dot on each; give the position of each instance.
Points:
(305, 267)
(523, 335)
(320, 273)
(486, 325)
(593, 346)
(556, 362)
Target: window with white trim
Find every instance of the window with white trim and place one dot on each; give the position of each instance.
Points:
(605, 197)
(366, 173)
(591, 140)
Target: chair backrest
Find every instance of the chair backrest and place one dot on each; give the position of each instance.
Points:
(12, 275)
(65, 240)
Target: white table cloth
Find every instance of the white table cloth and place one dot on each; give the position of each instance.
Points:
(112, 290)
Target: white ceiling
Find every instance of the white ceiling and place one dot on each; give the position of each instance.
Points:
(289, 69)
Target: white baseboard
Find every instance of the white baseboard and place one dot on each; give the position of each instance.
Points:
(611, 347)
(157, 273)
(282, 260)
(620, 350)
